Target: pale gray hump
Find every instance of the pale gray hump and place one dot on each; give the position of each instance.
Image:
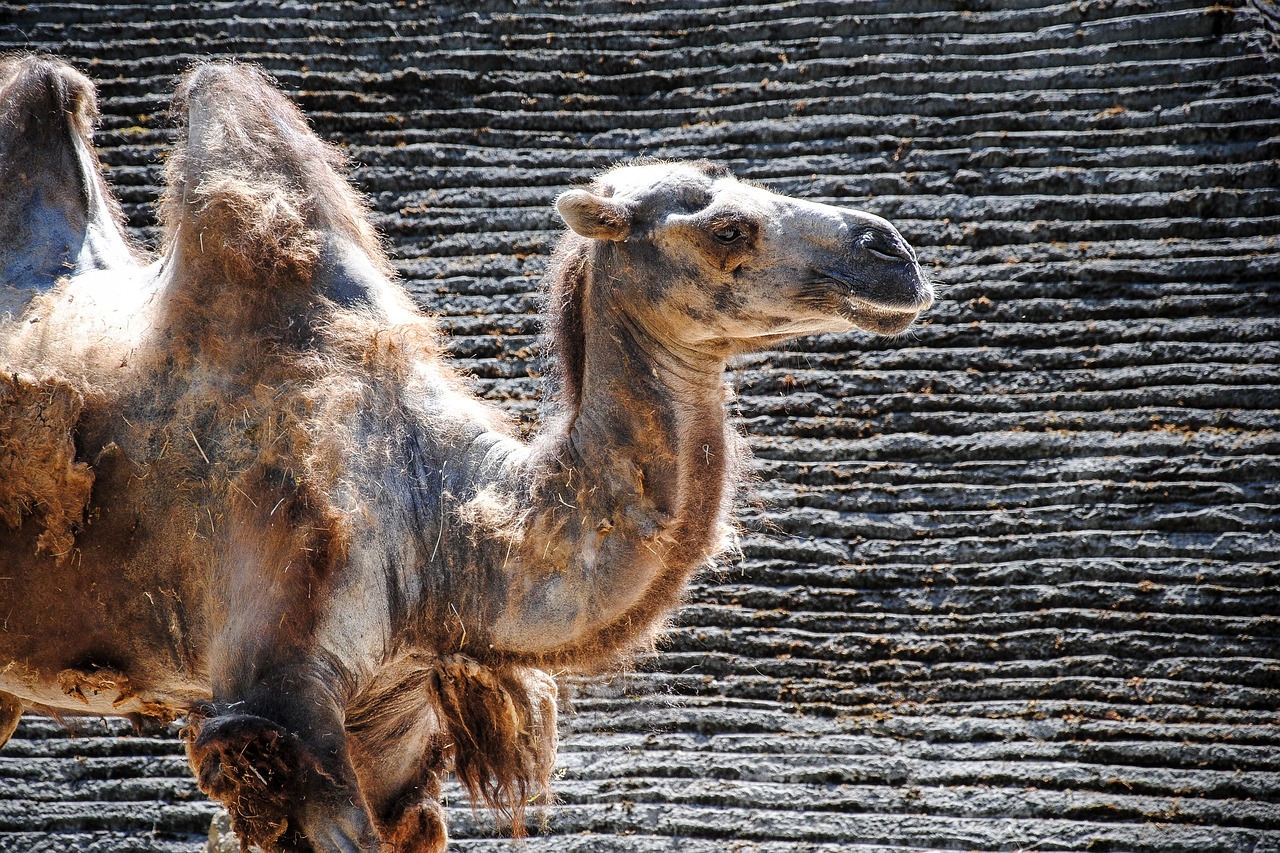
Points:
(261, 193)
(57, 216)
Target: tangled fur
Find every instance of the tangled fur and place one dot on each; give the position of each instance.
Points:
(39, 473)
(253, 766)
(494, 727)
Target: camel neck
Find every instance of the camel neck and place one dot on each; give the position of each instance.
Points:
(642, 398)
(628, 494)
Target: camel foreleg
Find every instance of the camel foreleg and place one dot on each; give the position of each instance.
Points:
(277, 760)
(401, 752)
(416, 823)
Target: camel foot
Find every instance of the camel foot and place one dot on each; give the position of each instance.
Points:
(420, 829)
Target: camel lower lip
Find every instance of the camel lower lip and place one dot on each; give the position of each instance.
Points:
(913, 295)
(881, 321)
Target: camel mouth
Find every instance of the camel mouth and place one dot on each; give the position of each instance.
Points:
(884, 305)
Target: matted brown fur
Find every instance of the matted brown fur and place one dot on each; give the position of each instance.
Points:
(250, 765)
(495, 728)
(39, 473)
(502, 721)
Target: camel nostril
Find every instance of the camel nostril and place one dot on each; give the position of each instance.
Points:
(886, 256)
(887, 247)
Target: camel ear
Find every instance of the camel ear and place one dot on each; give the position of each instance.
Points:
(595, 217)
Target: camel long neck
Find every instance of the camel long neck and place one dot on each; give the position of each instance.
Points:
(627, 494)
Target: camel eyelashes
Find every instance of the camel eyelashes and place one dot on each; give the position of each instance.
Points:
(728, 234)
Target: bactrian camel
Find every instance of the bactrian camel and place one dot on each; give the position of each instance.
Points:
(240, 485)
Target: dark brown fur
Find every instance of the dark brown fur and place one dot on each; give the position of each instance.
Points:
(251, 766)
(567, 277)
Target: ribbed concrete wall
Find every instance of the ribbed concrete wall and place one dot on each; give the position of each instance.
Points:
(1012, 581)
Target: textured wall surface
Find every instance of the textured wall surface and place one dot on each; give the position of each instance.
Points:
(1011, 581)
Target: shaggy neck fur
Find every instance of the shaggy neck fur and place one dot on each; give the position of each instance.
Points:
(628, 489)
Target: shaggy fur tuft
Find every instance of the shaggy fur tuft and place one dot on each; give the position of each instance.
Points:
(502, 722)
(495, 729)
(254, 229)
(59, 91)
(39, 474)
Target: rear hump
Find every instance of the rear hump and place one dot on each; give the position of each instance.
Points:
(57, 216)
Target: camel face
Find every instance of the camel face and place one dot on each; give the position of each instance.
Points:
(736, 265)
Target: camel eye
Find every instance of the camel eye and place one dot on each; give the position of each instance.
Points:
(727, 234)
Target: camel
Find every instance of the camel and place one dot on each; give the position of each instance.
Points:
(241, 486)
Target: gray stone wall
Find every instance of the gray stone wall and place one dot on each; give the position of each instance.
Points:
(1009, 582)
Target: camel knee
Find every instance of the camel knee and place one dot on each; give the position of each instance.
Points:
(420, 828)
(413, 821)
(253, 767)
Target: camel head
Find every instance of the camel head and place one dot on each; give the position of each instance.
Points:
(719, 264)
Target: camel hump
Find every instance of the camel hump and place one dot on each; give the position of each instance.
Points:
(57, 216)
(253, 191)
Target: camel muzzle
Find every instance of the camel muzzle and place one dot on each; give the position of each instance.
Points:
(881, 292)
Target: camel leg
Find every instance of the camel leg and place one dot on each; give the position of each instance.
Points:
(425, 717)
(400, 760)
(277, 760)
(10, 713)
(413, 820)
